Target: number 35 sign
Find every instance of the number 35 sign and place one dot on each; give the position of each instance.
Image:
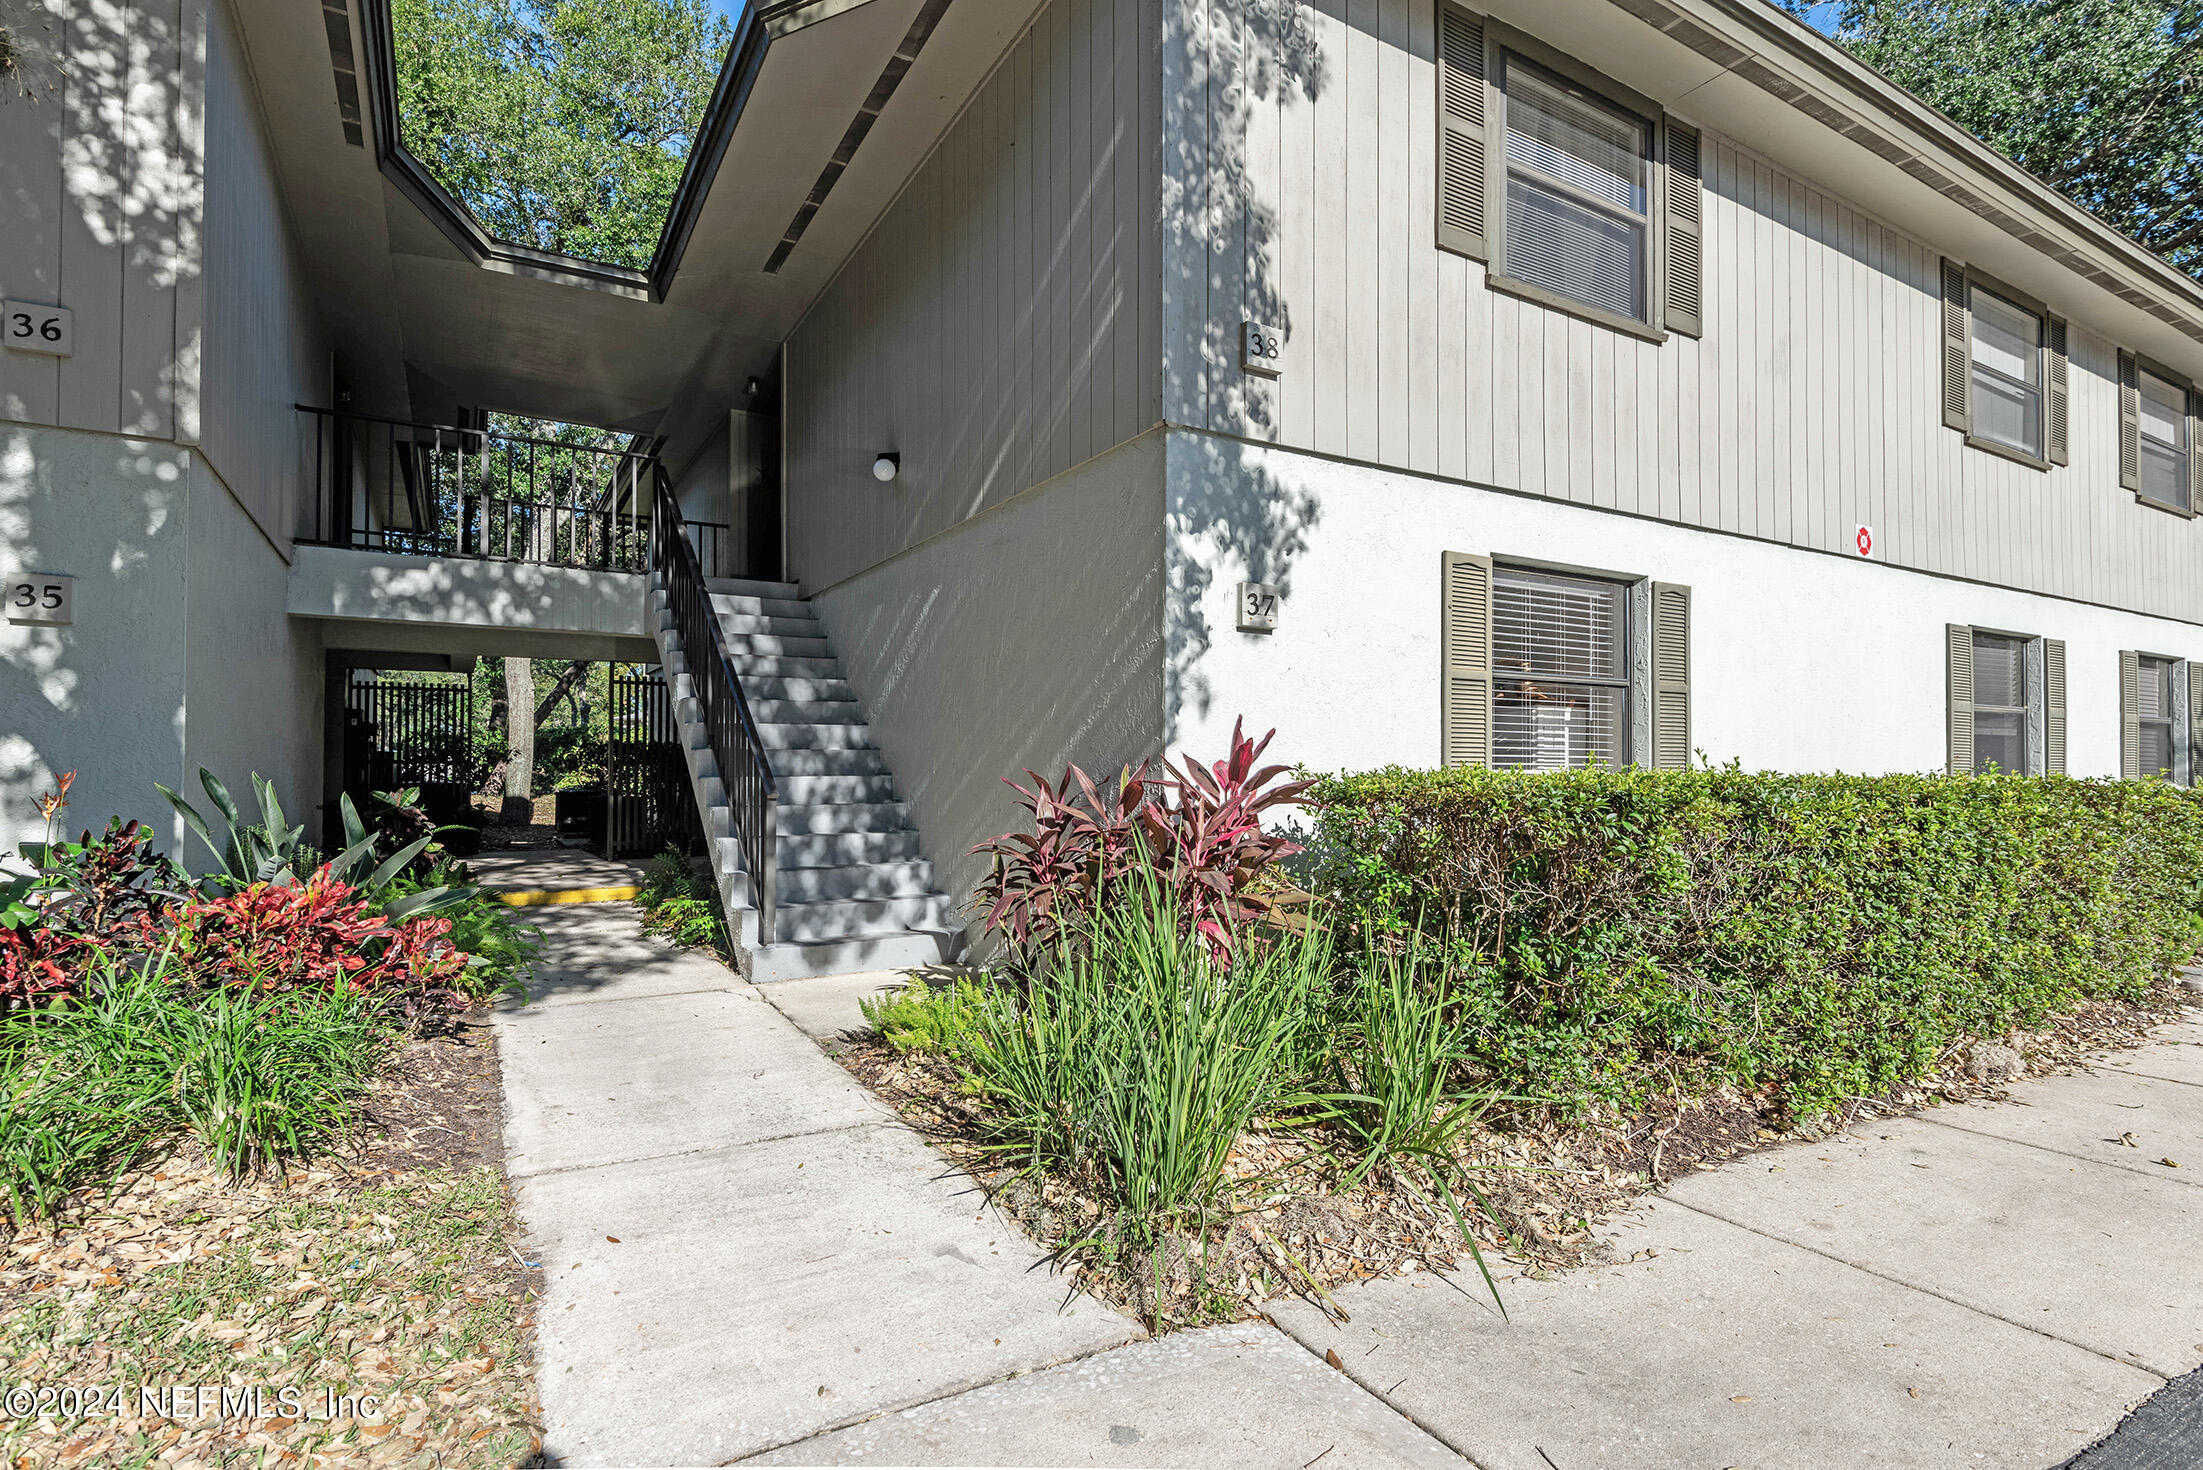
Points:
(34, 599)
(28, 328)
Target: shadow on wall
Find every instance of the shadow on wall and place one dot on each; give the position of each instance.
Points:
(1226, 513)
(1026, 639)
(104, 695)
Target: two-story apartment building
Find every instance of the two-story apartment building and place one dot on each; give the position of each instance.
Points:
(1532, 383)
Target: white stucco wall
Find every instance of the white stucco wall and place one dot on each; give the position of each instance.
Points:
(180, 653)
(1026, 637)
(1802, 660)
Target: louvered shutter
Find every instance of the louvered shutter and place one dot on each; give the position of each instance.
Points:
(1463, 113)
(2130, 422)
(2057, 399)
(1957, 350)
(2195, 445)
(1683, 284)
(1671, 736)
(1465, 638)
(1958, 695)
(2130, 714)
(2195, 722)
(2053, 706)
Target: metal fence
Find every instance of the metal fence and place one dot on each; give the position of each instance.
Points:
(650, 805)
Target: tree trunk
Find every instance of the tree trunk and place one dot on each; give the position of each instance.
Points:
(519, 806)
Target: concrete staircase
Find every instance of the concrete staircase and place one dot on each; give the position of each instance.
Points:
(852, 891)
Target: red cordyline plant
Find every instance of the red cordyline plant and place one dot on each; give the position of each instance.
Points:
(1199, 826)
(281, 937)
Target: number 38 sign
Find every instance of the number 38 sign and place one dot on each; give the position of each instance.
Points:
(28, 328)
(32, 599)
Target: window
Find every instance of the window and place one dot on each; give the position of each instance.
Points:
(2155, 435)
(2158, 698)
(2000, 703)
(2006, 696)
(2004, 370)
(1578, 212)
(1580, 194)
(1548, 670)
(1560, 674)
(2007, 373)
(2153, 715)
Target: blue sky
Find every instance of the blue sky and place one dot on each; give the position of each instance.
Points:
(731, 9)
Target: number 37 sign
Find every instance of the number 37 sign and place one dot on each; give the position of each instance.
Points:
(34, 599)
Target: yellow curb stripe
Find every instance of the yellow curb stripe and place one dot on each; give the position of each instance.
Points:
(521, 898)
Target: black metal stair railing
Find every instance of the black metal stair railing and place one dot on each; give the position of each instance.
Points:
(752, 795)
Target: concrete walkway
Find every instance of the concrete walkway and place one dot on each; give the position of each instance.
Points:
(793, 1276)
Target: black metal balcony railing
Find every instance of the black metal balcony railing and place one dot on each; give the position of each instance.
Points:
(435, 490)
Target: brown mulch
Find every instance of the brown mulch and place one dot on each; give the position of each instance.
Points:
(387, 1269)
(1543, 1186)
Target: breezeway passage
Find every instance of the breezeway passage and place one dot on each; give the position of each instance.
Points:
(746, 1255)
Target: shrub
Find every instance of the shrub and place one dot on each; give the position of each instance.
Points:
(1200, 827)
(935, 1020)
(1815, 936)
(680, 905)
(272, 937)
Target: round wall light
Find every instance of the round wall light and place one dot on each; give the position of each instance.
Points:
(886, 467)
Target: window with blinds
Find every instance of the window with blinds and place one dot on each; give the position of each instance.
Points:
(2000, 703)
(2007, 373)
(1578, 201)
(1560, 666)
(2153, 707)
(2163, 428)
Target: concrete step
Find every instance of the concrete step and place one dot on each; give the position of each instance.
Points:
(842, 849)
(802, 711)
(781, 666)
(854, 762)
(851, 918)
(900, 950)
(813, 737)
(843, 816)
(740, 625)
(744, 587)
(811, 790)
(775, 645)
(771, 607)
(810, 691)
(856, 881)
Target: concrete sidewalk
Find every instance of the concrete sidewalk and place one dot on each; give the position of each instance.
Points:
(740, 1246)
(747, 1256)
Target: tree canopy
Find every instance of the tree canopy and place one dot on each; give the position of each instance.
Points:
(561, 124)
(2100, 99)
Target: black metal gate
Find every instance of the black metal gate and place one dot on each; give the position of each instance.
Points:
(404, 733)
(651, 805)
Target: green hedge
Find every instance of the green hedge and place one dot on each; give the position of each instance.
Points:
(1625, 933)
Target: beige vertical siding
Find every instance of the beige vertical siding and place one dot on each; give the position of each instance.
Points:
(264, 350)
(101, 201)
(1001, 324)
(1809, 407)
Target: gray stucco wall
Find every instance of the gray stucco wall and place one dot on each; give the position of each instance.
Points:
(1028, 636)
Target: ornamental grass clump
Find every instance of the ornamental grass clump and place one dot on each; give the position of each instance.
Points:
(1137, 1055)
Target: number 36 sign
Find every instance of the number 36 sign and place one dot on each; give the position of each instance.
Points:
(28, 328)
(34, 599)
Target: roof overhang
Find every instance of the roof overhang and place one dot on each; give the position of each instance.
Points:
(429, 311)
